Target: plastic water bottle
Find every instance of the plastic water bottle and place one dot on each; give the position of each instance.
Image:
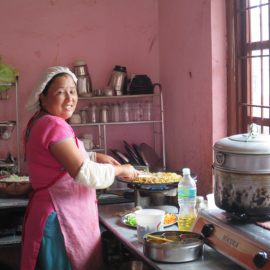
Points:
(187, 201)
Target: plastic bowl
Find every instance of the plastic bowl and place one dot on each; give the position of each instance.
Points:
(15, 188)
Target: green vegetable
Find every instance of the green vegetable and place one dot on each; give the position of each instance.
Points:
(131, 221)
(7, 75)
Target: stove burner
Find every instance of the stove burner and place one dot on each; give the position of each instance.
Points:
(246, 217)
(154, 187)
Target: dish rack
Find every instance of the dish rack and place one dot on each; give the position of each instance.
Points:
(102, 147)
(14, 164)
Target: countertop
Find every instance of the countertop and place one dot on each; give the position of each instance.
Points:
(128, 237)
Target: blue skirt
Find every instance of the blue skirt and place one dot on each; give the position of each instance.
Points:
(52, 253)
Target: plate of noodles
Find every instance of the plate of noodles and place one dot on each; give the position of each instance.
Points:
(163, 179)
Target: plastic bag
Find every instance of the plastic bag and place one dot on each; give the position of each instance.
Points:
(7, 75)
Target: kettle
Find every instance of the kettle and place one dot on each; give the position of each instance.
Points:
(118, 80)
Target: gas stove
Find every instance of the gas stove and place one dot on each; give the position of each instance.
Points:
(236, 237)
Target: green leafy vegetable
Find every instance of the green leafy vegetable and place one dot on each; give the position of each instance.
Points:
(131, 220)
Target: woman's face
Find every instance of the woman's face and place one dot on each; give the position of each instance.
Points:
(62, 97)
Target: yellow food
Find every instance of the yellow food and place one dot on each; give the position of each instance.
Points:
(164, 178)
(15, 178)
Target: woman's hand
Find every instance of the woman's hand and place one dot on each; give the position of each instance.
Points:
(126, 172)
(101, 158)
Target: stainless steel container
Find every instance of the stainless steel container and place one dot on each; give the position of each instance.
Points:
(104, 115)
(191, 249)
(118, 80)
(242, 174)
(84, 84)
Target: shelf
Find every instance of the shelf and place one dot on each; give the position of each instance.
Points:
(5, 165)
(7, 123)
(12, 202)
(5, 95)
(115, 123)
(95, 150)
(10, 240)
(117, 97)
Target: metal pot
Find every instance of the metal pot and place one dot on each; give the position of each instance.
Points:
(242, 174)
(191, 249)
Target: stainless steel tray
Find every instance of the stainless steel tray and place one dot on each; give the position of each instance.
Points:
(124, 218)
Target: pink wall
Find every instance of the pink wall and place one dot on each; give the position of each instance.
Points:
(104, 33)
(180, 44)
(192, 81)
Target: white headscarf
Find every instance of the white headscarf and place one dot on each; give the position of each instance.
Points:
(33, 102)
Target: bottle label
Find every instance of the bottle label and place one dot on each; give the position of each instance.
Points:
(186, 193)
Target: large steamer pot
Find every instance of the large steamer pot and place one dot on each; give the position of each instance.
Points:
(242, 174)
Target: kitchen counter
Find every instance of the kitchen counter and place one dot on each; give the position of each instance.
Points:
(128, 237)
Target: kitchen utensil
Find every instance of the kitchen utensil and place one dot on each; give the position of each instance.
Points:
(137, 110)
(13, 188)
(104, 115)
(131, 265)
(84, 84)
(123, 220)
(108, 91)
(88, 144)
(88, 136)
(138, 152)
(141, 80)
(122, 160)
(115, 111)
(150, 154)
(149, 220)
(174, 252)
(118, 80)
(241, 171)
(98, 92)
(130, 160)
(158, 238)
(84, 116)
(132, 154)
(75, 118)
(135, 163)
(148, 111)
(93, 113)
(126, 111)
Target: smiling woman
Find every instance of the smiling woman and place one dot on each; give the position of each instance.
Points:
(61, 217)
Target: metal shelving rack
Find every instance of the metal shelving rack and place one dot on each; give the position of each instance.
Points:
(103, 125)
(11, 124)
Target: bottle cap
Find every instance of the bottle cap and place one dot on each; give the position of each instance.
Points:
(186, 171)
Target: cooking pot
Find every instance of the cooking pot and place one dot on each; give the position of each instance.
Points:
(242, 174)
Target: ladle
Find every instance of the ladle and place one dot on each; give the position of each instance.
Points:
(163, 239)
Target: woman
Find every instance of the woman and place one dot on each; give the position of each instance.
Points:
(61, 229)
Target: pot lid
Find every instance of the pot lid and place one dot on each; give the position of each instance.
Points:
(251, 143)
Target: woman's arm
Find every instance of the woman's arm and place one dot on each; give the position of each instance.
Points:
(68, 154)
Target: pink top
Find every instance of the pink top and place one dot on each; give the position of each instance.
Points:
(43, 166)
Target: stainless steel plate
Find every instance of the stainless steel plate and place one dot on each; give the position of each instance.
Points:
(124, 218)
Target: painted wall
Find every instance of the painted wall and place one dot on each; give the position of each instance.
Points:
(180, 44)
(193, 75)
(104, 33)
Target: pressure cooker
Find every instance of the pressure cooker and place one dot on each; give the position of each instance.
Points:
(242, 173)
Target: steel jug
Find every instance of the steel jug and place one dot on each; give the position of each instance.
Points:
(118, 80)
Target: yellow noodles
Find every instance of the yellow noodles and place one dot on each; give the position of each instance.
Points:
(163, 178)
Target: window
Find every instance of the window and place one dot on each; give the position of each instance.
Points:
(248, 65)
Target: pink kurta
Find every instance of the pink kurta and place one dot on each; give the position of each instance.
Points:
(74, 204)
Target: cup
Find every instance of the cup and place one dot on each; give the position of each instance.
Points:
(148, 221)
(84, 116)
(148, 111)
(104, 115)
(126, 109)
(87, 143)
(211, 201)
(93, 113)
(137, 109)
(88, 136)
(115, 112)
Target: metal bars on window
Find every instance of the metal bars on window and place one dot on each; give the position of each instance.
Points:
(253, 59)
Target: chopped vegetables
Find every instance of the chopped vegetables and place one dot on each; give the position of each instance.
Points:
(15, 178)
(169, 218)
(131, 220)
